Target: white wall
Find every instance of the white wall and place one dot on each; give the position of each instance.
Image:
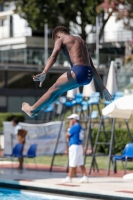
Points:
(20, 27)
(1, 141)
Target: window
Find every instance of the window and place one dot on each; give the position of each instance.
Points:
(2, 79)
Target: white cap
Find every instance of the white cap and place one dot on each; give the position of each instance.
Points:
(74, 116)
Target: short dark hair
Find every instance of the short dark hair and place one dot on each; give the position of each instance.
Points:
(22, 132)
(59, 29)
(15, 119)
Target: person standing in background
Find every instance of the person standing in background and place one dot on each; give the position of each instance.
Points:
(75, 136)
(21, 135)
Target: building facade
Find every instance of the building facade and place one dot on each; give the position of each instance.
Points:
(23, 55)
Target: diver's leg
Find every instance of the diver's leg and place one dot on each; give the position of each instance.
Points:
(62, 84)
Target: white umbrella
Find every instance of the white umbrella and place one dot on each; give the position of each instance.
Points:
(71, 93)
(128, 176)
(89, 89)
(111, 81)
(120, 108)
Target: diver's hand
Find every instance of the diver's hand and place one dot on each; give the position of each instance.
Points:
(40, 77)
(107, 95)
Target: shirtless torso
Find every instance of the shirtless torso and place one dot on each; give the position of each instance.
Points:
(74, 48)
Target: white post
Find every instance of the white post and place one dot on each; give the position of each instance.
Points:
(45, 43)
(97, 40)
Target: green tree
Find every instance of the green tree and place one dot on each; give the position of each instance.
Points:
(76, 15)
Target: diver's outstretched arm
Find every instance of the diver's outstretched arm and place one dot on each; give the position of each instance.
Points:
(51, 60)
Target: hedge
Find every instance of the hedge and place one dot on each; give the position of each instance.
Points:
(121, 139)
(9, 116)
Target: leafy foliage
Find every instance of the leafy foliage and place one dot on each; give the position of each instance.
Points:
(59, 12)
(121, 139)
(9, 116)
(75, 14)
(126, 13)
(122, 8)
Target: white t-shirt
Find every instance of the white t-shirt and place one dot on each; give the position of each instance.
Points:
(18, 127)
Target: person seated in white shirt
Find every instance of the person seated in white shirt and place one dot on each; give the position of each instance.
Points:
(15, 123)
(20, 134)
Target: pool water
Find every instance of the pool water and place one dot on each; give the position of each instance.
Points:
(7, 194)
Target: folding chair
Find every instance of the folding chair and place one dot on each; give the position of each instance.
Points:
(127, 155)
(16, 152)
(31, 153)
(114, 97)
(48, 111)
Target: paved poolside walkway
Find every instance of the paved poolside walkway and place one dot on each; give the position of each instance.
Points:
(101, 187)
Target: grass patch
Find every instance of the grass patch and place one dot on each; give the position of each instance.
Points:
(61, 160)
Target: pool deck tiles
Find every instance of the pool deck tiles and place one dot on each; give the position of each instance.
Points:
(101, 187)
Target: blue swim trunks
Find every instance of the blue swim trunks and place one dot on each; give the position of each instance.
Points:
(83, 74)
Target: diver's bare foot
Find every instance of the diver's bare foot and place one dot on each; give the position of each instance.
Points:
(27, 109)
